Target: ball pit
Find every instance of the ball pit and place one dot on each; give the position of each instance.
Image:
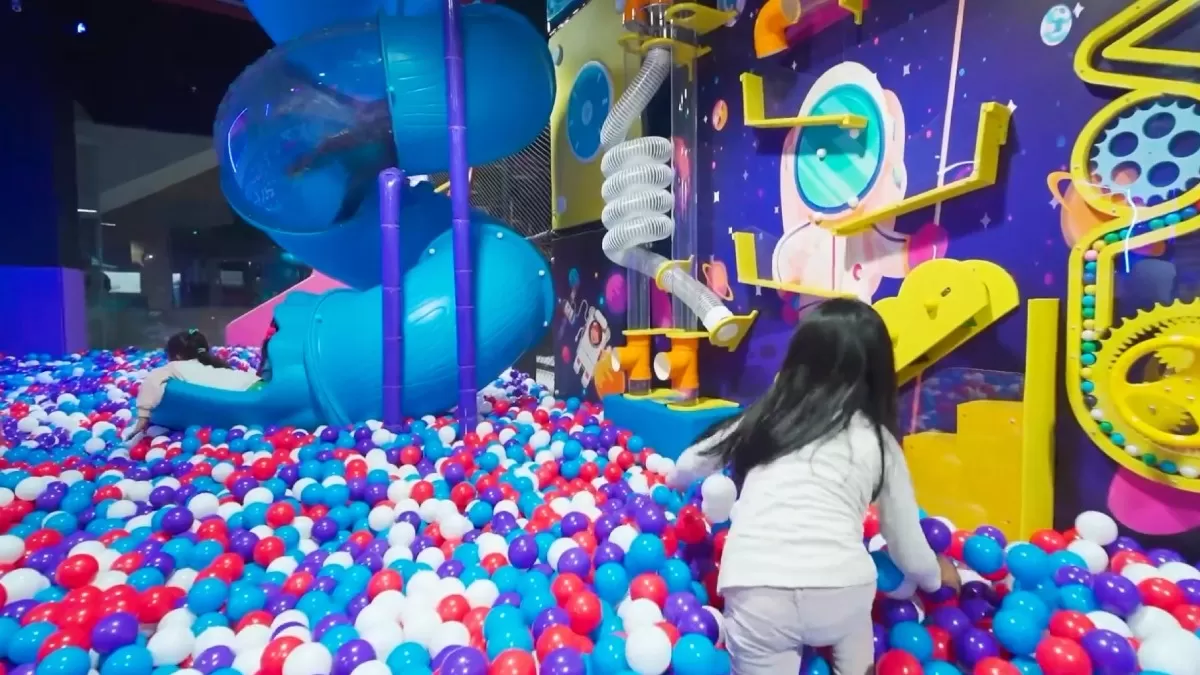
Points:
(542, 540)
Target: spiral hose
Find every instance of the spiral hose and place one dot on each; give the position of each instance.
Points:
(637, 197)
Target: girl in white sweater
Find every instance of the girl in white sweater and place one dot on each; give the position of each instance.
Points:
(809, 457)
(191, 360)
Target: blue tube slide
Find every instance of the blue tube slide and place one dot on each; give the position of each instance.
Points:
(301, 137)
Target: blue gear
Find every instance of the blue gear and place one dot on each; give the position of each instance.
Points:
(587, 108)
(1156, 141)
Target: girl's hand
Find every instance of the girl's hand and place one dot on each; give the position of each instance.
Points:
(950, 576)
(137, 428)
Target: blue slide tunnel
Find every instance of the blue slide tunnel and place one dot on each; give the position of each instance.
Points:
(301, 138)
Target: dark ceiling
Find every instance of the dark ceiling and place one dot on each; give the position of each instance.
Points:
(165, 64)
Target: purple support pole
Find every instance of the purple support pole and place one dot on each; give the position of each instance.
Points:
(390, 182)
(460, 202)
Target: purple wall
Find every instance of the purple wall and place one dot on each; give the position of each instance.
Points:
(1007, 52)
(44, 310)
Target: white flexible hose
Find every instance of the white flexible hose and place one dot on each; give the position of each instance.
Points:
(637, 197)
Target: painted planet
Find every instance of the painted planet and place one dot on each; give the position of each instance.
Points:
(720, 114)
(929, 242)
(614, 292)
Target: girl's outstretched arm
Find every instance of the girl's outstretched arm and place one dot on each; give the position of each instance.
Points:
(696, 462)
(900, 521)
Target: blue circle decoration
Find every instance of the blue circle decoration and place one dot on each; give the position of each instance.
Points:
(834, 165)
(587, 108)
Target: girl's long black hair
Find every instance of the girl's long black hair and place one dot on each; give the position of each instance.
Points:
(192, 344)
(839, 363)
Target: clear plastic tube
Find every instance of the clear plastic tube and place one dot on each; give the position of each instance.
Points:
(637, 197)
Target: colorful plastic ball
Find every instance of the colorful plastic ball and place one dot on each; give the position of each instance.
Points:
(65, 661)
(913, 638)
(129, 660)
(1059, 656)
(984, 554)
(898, 662)
(25, 643)
(1017, 631)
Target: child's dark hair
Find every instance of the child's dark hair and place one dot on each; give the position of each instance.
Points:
(839, 364)
(192, 344)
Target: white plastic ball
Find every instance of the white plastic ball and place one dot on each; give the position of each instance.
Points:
(623, 536)
(249, 660)
(420, 625)
(446, 434)
(373, 667)
(203, 505)
(12, 548)
(381, 518)
(23, 583)
(372, 616)
(648, 651)
(1096, 527)
(482, 593)
(1139, 572)
(171, 646)
(383, 638)
(449, 634)
(1171, 652)
(1149, 621)
(1092, 553)
(637, 613)
(1178, 571)
(1110, 621)
(255, 636)
(310, 658)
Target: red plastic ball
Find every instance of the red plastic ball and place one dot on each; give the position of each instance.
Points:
(649, 586)
(1070, 625)
(1188, 616)
(554, 637)
(1048, 540)
(276, 653)
(384, 580)
(565, 586)
(584, 610)
(453, 608)
(898, 662)
(1161, 593)
(1060, 656)
(513, 662)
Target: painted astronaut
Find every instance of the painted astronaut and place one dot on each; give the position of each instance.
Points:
(593, 339)
(828, 174)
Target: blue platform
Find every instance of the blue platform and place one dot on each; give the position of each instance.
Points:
(668, 431)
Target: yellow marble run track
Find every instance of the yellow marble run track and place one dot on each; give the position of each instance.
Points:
(1133, 381)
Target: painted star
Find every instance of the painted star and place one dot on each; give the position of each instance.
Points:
(716, 196)
(985, 221)
(1012, 106)
(1078, 9)
(907, 69)
(745, 175)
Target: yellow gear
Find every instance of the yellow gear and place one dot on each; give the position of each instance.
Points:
(1147, 379)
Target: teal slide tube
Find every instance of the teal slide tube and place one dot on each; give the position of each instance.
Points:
(301, 138)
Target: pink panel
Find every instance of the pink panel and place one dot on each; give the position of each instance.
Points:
(250, 328)
(1152, 508)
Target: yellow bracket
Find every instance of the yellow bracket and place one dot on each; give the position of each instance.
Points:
(729, 332)
(1109, 33)
(700, 19)
(745, 255)
(993, 133)
(754, 111)
(943, 303)
(855, 7)
(637, 332)
(684, 266)
(685, 54)
(1126, 48)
